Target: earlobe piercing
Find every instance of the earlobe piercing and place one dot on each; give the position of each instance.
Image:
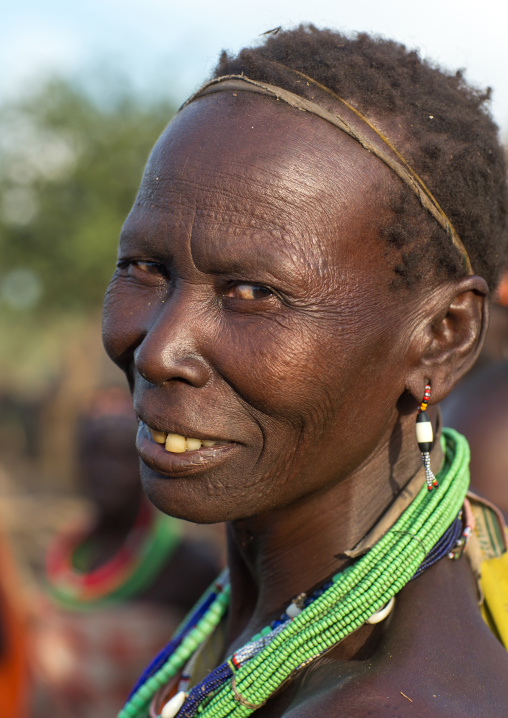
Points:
(425, 437)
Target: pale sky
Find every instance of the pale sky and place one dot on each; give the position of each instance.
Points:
(173, 45)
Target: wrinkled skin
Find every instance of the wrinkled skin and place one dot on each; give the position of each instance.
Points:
(252, 304)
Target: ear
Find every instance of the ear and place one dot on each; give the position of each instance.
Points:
(450, 337)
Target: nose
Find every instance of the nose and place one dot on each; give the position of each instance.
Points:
(171, 347)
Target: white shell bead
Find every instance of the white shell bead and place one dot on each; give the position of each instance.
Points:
(292, 610)
(424, 432)
(173, 706)
(383, 612)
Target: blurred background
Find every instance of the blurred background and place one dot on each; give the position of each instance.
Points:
(85, 89)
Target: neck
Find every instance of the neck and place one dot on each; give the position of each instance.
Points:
(109, 531)
(275, 556)
(117, 521)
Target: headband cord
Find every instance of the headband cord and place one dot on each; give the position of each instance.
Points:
(385, 152)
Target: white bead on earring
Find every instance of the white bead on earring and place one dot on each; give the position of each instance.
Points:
(425, 437)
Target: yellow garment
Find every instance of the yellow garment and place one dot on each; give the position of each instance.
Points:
(489, 560)
(494, 585)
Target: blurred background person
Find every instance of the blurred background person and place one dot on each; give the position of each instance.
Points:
(118, 583)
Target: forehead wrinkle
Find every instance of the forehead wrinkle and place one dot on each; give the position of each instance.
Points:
(180, 215)
(249, 186)
(253, 191)
(233, 205)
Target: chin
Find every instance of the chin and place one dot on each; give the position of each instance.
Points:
(183, 499)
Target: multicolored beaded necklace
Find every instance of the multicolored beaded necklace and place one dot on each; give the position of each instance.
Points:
(429, 529)
(147, 547)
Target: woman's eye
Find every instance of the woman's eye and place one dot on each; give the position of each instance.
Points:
(140, 267)
(149, 267)
(249, 292)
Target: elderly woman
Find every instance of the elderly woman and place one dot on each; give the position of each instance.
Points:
(293, 288)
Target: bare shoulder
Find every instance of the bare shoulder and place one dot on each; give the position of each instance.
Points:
(435, 658)
(374, 698)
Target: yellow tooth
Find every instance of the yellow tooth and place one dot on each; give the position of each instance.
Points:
(176, 444)
(158, 436)
(193, 444)
(207, 442)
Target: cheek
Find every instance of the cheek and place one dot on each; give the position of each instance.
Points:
(321, 379)
(285, 372)
(125, 318)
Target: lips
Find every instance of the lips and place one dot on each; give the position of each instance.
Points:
(171, 453)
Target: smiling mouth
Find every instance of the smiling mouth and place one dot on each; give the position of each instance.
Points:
(178, 444)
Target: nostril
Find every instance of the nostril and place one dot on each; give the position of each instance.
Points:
(171, 364)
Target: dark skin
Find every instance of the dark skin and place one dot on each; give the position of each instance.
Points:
(252, 305)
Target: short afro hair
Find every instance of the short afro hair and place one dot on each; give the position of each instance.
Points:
(449, 139)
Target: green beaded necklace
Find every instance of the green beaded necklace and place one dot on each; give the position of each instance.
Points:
(356, 594)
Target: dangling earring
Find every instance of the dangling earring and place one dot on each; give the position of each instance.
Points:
(425, 437)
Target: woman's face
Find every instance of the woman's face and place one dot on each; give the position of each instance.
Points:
(251, 306)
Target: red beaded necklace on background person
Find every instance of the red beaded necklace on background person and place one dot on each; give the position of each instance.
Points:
(147, 547)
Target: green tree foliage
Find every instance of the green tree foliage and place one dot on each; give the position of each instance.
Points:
(69, 169)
